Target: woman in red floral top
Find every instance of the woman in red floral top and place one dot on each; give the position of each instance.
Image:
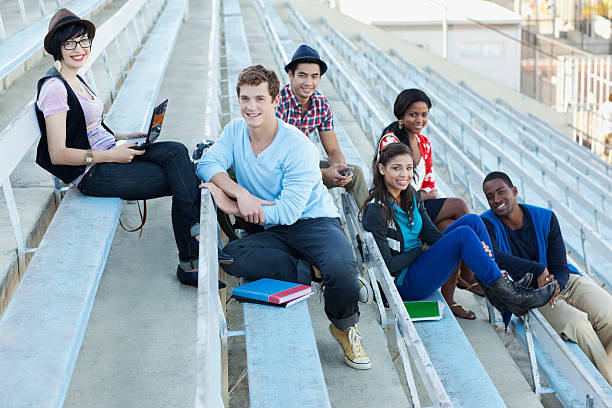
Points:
(411, 108)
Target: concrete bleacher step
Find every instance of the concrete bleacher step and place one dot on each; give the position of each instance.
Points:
(36, 207)
(141, 337)
(380, 385)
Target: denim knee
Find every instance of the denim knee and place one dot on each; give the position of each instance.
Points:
(178, 148)
(340, 271)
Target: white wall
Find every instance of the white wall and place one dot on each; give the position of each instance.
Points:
(479, 49)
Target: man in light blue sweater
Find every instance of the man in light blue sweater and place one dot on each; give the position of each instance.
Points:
(279, 186)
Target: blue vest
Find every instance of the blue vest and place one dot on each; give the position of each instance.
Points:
(541, 223)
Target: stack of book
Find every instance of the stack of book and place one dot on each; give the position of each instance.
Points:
(272, 292)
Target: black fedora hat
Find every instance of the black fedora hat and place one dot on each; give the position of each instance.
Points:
(60, 19)
(304, 52)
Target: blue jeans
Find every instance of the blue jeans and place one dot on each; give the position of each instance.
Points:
(286, 252)
(164, 170)
(461, 241)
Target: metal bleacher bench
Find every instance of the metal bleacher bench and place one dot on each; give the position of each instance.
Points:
(42, 329)
(563, 365)
(21, 46)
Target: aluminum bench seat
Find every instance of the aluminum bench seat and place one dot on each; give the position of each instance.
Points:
(464, 378)
(282, 358)
(563, 365)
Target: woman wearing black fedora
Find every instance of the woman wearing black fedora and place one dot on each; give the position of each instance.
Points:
(79, 149)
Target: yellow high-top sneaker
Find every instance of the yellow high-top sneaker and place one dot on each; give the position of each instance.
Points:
(350, 341)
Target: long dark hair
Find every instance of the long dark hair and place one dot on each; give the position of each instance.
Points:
(379, 191)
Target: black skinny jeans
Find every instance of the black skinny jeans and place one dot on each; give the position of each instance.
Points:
(286, 252)
(164, 170)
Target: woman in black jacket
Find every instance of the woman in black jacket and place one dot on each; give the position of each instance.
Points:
(401, 227)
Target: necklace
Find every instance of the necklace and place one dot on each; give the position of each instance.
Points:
(78, 86)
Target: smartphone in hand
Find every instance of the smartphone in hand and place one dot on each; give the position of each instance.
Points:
(346, 173)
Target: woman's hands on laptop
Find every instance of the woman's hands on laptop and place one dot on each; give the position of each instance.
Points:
(124, 153)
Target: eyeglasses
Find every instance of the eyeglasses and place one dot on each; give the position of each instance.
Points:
(71, 44)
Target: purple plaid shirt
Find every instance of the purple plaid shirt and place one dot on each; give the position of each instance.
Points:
(318, 116)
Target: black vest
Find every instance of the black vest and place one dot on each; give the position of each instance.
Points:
(76, 132)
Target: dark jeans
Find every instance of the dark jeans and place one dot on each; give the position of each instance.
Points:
(164, 170)
(286, 252)
(461, 240)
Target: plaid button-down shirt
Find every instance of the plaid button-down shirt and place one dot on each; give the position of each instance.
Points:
(318, 116)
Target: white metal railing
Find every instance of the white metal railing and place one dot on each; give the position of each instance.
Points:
(528, 127)
(580, 238)
(407, 337)
(535, 325)
(489, 136)
(212, 327)
(23, 131)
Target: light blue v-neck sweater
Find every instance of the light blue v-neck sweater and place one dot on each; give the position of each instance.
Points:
(286, 172)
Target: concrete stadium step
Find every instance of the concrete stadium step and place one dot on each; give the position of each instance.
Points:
(141, 337)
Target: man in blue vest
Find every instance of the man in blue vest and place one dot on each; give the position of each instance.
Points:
(527, 239)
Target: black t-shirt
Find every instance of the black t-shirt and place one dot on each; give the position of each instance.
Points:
(524, 255)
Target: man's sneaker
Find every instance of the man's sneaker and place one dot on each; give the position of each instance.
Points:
(350, 341)
(364, 290)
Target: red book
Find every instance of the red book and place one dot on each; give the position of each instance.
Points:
(290, 294)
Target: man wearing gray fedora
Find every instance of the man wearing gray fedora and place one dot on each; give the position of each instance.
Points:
(303, 106)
